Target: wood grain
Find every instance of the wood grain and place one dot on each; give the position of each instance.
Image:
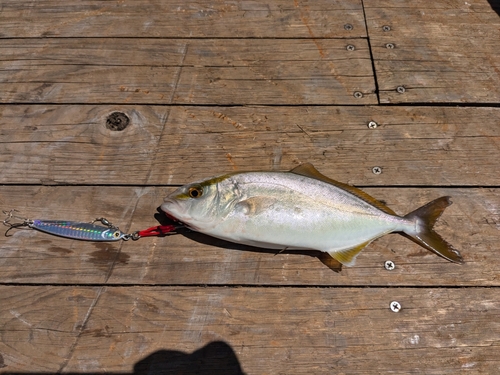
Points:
(39, 326)
(284, 330)
(471, 224)
(246, 85)
(438, 146)
(200, 71)
(444, 51)
(183, 19)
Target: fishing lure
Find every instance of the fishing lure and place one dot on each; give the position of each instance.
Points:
(83, 231)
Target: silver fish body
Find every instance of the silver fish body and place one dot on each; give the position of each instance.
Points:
(300, 209)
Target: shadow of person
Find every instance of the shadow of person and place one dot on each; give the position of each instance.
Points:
(216, 357)
(495, 5)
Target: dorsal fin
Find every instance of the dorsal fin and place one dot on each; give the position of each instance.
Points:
(308, 170)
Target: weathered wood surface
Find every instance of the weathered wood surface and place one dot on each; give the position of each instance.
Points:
(284, 330)
(471, 224)
(191, 76)
(200, 71)
(40, 325)
(443, 51)
(183, 19)
(433, 146)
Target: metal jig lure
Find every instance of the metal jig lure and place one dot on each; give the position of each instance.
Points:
(84, 231)
(70, 229)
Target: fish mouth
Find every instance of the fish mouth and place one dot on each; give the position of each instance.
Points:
(165, 209)
(173, 218)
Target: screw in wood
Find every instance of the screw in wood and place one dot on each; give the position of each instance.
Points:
(358, 94)
(395, 306)
(377, 170)
(372, 125)
(389, 265)
(386, 28)
(390, 46)
(348, 27)
(400, 89)
(350, 47)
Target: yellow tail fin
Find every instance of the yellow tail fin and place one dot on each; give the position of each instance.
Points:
(425, 236)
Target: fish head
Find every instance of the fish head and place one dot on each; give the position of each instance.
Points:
(202, 205)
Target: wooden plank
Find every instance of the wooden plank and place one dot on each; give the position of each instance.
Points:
(176, 145)
(471, 224)
(444, 51)
(183, 19)
(39, 326)
(263, 330)
(198, 71)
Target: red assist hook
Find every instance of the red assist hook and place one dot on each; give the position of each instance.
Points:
(159, 230)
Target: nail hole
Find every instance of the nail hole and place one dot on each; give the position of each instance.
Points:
(350, 47)
(358, 95)
(348, 26)
(390, 46)
(386, 28)
(400, 89)
(117, 121)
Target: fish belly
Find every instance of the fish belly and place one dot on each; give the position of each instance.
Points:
(331, 234)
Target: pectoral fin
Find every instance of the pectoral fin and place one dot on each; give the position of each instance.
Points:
(348, 257)
(255, 205)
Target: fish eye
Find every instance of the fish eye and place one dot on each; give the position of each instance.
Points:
(195, 192)
(116, 234)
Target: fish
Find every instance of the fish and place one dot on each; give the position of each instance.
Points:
(300, 209)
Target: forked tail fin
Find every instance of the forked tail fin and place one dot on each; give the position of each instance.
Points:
(425, 217)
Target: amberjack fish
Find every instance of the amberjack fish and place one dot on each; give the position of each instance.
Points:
(300, 209)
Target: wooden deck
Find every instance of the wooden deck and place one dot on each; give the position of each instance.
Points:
(203, 88)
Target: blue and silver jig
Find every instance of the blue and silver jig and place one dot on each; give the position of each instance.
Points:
(71, 229)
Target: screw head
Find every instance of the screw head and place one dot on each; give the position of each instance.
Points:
(395, 306)
(390, 46)
(377, 170)
(358, 94)
(400, 89)
(350, 47)
(389, 265)
(348, 27)
(386, 28)
(372, 125)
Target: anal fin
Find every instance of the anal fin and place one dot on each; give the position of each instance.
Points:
(348, 256)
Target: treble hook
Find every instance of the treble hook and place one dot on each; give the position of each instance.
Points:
(9, 216)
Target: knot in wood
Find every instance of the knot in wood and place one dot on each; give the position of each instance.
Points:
(117, 121)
